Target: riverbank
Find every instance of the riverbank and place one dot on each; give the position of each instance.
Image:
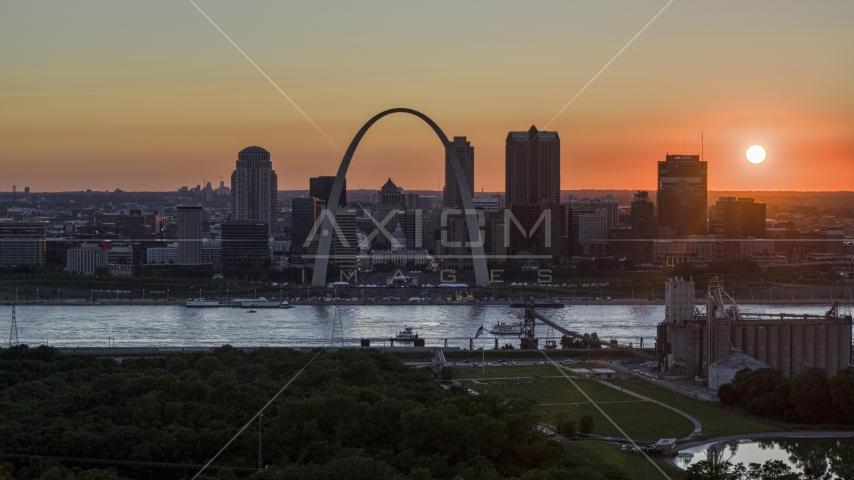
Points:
(425, 301)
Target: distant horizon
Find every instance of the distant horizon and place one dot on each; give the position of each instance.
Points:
(132, 94)
(476, 193)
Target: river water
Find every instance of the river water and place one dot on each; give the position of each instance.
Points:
(311, 325)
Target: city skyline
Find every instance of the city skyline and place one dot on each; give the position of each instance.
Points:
(156, 88)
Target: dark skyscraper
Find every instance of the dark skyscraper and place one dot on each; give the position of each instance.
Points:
(136, 225)
(190, 234)
(532, 188)
(245, 242)
(321, 187)
(532, 167)
(304, 215)
(682, 188)
(465, 153)
(643, 216)
(643, 229)
(733, 219)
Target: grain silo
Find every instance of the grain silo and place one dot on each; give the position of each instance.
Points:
(790, 343)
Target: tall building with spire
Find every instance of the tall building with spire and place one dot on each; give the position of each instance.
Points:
(253, 187)
(465, 153)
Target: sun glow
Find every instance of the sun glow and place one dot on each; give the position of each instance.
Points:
(755, 154)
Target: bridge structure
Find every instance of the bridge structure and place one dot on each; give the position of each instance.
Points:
(327, 229)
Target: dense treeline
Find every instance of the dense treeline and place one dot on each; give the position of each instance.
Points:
(810, 397)
(352, 414)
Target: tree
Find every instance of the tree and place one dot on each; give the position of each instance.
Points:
(102, 272)
(810, 397)
(763, 392)
(446, 374)
(841, 388)
(586, 425)
(563, 424)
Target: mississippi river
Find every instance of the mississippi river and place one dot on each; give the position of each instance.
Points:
(311, 325)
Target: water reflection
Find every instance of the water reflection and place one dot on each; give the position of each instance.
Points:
(812, 458)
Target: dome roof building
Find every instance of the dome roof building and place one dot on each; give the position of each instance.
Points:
(254, 187)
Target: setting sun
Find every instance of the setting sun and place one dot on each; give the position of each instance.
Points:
(756, 154)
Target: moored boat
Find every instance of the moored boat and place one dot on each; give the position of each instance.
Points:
(260, 302)
(501, 328)
(406, 335)
(201, 303)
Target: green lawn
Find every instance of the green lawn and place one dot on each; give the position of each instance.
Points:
(716, 419)
(511, 371)
(643, 421)
(544, 389)
(608, 458)
(647, 422)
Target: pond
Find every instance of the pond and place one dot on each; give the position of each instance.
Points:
(813, 458)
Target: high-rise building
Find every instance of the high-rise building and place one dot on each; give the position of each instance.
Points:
(682, 189)
(136, 225)
(589, 231)
(532, 186)
(465, 153)
(190, 234)
(245, 242)
(643, 229)
(452, 244)
(736, 219)
(608, 204)
(643, 216)
(344, 240)
(304, 215)
(22, 243)
(534, 229)
(391, 198)
(495, 242)
(321, 187)
(532, 167)
(86, 258)
(253, 188)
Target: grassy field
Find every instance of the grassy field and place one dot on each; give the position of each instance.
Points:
(513, 371)
(716, 419)
(643, 421)
(607, 458)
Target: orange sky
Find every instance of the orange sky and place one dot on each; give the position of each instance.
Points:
(149, 96)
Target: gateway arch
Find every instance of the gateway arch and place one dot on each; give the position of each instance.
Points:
(321, 261)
